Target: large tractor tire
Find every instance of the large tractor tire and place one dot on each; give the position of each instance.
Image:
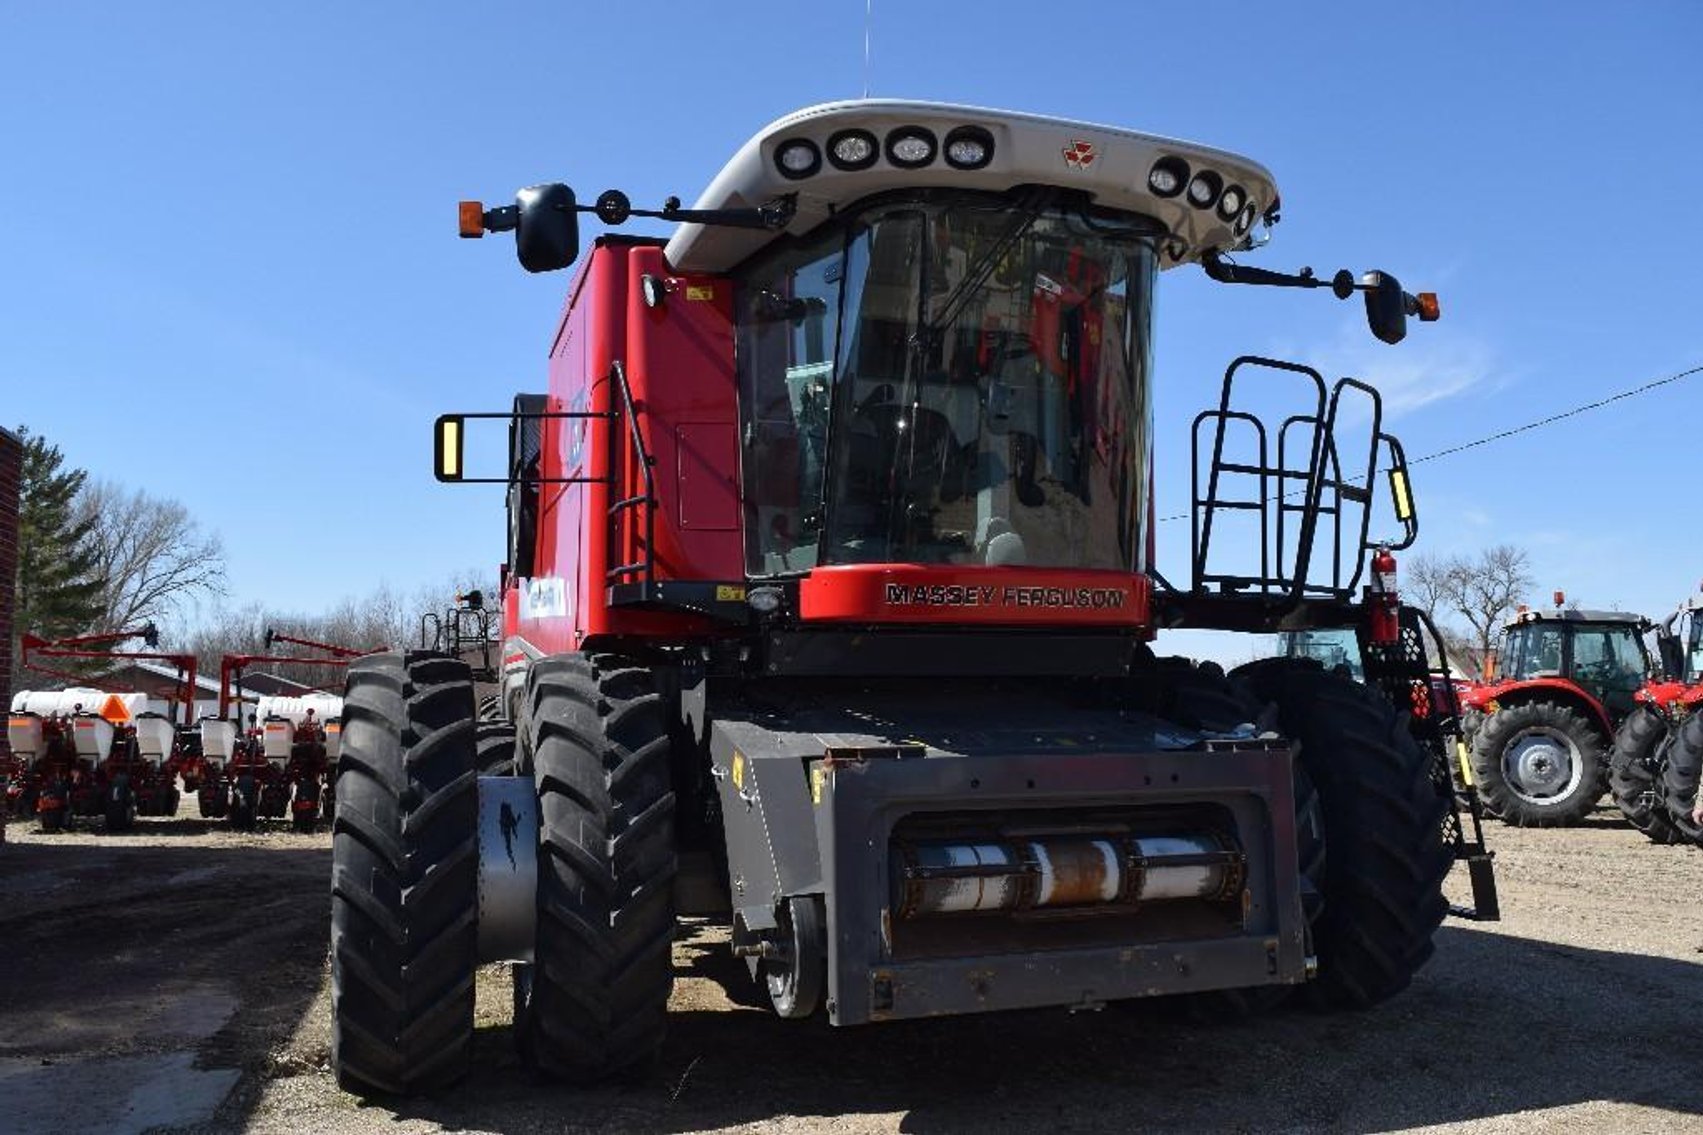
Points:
(120, 804)
(494, 742)
(1540, 764)
(1680, 778)
(595, 740)
(1383, 855)
(404, 876)
(1635, 774)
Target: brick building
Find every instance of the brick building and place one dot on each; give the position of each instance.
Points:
(11, 474)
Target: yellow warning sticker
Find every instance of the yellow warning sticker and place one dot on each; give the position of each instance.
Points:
(818, 777)
(700, 292)
(729, 593)
(738, 769)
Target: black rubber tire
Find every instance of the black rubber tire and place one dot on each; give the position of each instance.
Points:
(494, 744)
(120, 804)
(1502, 727)
(404, 876)
(1635, 774)
(1680, 778)
(594, 1004)
(796, 985)
(1384, 858)
(53, 820)
(245, 804)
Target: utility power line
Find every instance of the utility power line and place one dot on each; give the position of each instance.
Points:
(1633, 392)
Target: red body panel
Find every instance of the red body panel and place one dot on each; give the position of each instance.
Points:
(1668, 696)
(1480, 696)
(679, 365)
(992, 596)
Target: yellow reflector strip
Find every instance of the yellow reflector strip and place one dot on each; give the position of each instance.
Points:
(1403, 500)
(1466, 766)
(449, 449)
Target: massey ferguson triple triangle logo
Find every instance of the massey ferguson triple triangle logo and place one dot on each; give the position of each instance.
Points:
(1079, 154)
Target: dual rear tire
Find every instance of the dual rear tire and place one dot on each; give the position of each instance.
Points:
(404, 940)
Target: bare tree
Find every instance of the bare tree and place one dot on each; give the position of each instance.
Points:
(382, 619)
(151, 552)
(1482, 589)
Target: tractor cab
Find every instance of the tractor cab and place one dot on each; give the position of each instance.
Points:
(1601, 652)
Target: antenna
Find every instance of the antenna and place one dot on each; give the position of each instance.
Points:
(868, 19)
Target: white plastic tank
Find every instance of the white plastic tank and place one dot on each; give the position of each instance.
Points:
(295, 710)
(218, 739)
(93, 735)
(49, 702)
(154, 738)
(277, 734)
(23, 733)
(333, 741)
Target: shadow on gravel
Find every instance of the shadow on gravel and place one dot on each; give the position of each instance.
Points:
(121, 949)
(1495, 1025)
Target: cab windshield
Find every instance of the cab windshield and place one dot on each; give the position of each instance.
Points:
(953, 379)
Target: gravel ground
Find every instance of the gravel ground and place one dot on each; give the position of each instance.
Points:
(174, 979)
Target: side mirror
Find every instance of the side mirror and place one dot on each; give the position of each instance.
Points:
(448, 437)
(1386, 306)
(547, 231)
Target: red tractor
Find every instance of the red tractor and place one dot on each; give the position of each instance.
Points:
(827, 613)
(1561, 684)
(1652, 774)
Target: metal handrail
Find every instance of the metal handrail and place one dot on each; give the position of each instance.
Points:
(645, 567)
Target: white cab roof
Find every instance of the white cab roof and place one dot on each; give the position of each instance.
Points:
(1111, 164)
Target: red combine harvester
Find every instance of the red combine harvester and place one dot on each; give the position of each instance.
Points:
(1562, 682)
(1652, 775)
(828, 606)
(279, 761)
(92, 752)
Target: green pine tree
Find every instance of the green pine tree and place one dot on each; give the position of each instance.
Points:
(59, 590)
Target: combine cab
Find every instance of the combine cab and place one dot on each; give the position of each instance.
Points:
(1565, 681)
(827, 610)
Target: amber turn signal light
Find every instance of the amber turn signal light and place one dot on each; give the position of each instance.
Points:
(472, 219)
(1429, 310)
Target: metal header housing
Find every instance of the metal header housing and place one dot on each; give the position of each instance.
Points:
(1112, 165)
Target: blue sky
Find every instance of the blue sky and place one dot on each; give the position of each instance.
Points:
(229, 274)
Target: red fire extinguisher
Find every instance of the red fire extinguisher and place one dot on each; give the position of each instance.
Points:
(1385, 604)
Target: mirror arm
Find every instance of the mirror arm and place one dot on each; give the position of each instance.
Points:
(1215, 266)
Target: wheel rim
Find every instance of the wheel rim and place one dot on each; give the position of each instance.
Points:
(1543, 765)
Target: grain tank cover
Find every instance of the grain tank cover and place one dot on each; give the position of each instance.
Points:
(835, 154)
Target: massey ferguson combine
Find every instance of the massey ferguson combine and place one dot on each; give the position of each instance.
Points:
(1566, 681)
(1653, 778)
(827, 612)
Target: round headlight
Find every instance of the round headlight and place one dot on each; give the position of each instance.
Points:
(1204, 189)
(1246, 220)
(798, 158)
(910, 147)
(1167, 177)
(1231, 203)
(852, 149)
(969, 147)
